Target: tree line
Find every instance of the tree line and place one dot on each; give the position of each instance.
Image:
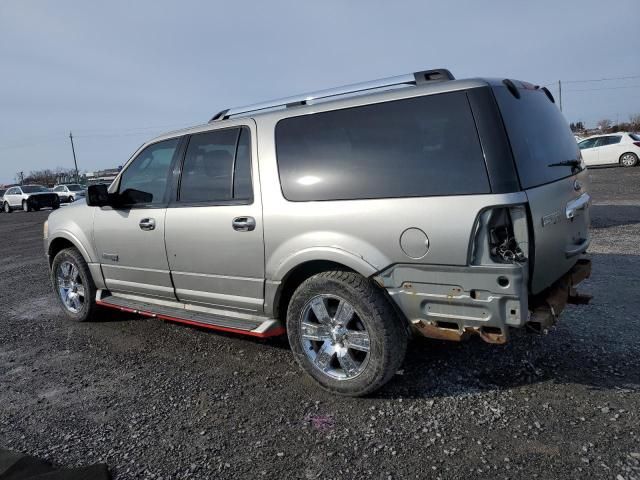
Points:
(606, 125)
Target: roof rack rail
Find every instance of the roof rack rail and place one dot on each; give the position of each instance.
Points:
(416, 78)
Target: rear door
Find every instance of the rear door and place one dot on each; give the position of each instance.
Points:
(214, 233)
(557, 192)
(610, 149)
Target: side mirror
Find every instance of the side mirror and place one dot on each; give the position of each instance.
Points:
(97, 195)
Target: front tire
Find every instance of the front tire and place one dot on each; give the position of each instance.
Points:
(25, 206)
(629, 159)
(344, 333)
(7, 208)
(73, 285)
(71, 199)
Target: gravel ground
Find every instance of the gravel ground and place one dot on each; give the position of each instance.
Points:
(158, 400)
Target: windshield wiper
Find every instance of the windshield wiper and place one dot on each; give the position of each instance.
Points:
(567, 163)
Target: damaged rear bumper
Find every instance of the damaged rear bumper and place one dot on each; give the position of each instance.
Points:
(547, 306)
(452, 303)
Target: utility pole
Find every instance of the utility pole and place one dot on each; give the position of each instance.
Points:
(75, 162)
(560, 93)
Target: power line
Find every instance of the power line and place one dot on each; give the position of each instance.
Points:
(603, 88)
(602, 79)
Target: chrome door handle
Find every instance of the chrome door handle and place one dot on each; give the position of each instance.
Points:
(147, 224)
(244, 224)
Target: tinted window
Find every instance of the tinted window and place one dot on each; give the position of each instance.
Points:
(539, 136)
(75, 188)
(145, 179)
(217, 167)
(408, 148)
(242, 172)
(635, 136)
(611, 140)
(208, 166)
(33, 189)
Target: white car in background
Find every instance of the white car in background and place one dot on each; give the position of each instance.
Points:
(69, 192)
(620, 148)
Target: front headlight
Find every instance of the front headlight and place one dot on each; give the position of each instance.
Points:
(45, 229)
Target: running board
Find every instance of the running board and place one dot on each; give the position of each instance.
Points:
(251, 325)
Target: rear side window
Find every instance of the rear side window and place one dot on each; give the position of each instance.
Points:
(611, 140)
(217, 167)
(417, 147)
(539, 136)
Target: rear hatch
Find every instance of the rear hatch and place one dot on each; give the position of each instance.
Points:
(545, 153)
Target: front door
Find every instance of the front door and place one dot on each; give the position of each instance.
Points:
(13, 197)
(130, 238)
(589, 151)
(214, 233)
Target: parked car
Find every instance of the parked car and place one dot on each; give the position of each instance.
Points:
(69, 193)
(29, 198)
(349, 219)
(2, 190)
(621, 148)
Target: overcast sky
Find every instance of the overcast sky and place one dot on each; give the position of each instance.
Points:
(117, 73)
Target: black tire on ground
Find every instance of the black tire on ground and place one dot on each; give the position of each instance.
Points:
(89, 304)
(71, 199)
(6, 207)
(628, 159)
(25, 206)
(387, 334)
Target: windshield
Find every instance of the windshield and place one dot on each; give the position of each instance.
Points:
(75, 188)
(541, 140)
(33, 189)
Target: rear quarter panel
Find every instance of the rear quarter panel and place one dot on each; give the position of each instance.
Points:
(364, 233)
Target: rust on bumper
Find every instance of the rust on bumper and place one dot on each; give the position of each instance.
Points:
(547, 306)
(434, 330)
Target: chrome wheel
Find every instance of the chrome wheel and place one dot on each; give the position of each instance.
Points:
(333, 337)
(628, 160)
(70, 287)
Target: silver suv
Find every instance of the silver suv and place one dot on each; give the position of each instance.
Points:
(348, 219)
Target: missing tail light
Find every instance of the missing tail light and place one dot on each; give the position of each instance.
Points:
(501, 236)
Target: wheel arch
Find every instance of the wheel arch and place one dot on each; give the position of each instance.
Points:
(66, 240)
(294, 278)
(627, 153)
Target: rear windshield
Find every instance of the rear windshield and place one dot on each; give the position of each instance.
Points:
(635, 136)
(539, 136)
(75, 188)
(417, 147)
(33, 189)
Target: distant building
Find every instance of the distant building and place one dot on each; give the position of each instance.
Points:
(102, 176)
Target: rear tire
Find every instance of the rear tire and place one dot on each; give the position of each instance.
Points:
(629, 159)
(71, 199)
(25, 206)
(73, 285)
(357, 345)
